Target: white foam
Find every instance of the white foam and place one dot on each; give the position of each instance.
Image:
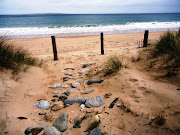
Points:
(78, 30)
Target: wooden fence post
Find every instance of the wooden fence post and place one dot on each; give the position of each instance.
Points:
(145, 38)
(102, 44)
(54, 47)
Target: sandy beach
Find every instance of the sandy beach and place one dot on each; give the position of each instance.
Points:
(135, 86)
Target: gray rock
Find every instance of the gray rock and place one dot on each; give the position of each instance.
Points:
(56, 86)
(34, 130)
(88, 91)
(71, 90)
(91, 81)
(76, 84)
(77, 120)
(65, 79)
(75, 100)
(56, 107)
(84, 71)
(63, 97)
(56, 96)
(61, 123)
(86, 64)
(81, 107)
(43, 105)
(65, 86)
(55, 100)
(82, 81)
(94, 102)
(57, 91)
(69, 74)
(51, 130)
(65, 93)
(96, 131)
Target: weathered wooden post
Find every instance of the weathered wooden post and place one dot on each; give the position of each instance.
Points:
(102, 44)
(145, 38)
(54, 47)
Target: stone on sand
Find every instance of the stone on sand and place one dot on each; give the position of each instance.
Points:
(56, 107)
(43, 105)
(75, 100)
(96, 131)
(86, 64)
(56, 86)
(76, 84)
(34, 130)
(61, 123)
(91, 81)
(88, 91)
(94, 102)
(51, 130)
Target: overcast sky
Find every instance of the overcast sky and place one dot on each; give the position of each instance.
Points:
(88, 6)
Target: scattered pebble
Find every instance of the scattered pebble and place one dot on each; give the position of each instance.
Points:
(65, 86)
(43, 105)
(91, 81)
(69, 74)
(107, 95)
(22, 118)
(86, 64)
(56, 107)
(65, 79)
(55, 100)
(81, 107)
(34, 130)
(61, 123)
(42, 113)
(96, 131)
(94, 102)
(88, 91)
(76, 84)
(71, 91)
(57, 91)
(63, 97)
(75, 100)
(51, 130)
(56, 86)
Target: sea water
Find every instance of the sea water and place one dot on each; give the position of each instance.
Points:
(45, 25)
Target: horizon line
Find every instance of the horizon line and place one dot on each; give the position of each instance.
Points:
(88, 13)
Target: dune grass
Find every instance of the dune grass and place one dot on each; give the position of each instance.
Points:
(168, 47)
(112, 65)
(15, 59)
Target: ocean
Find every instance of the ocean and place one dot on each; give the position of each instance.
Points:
(45, 25)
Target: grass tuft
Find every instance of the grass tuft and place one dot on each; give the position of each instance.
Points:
(15, 59)
(112, 65)
(160, 118)
(168, 47)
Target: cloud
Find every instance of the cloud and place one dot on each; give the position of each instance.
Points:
(87, 6)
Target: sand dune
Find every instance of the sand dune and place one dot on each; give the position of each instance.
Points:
(142, 94)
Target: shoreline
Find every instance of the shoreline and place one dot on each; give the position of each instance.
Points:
(80, 36)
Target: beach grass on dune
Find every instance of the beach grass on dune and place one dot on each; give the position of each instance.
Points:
(168, 47)
(112, 65)
(15, 58)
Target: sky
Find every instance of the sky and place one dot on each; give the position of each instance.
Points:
(88, 6)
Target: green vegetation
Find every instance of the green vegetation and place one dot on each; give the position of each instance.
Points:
(168, 47)
(112, 65)
(14, 58)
